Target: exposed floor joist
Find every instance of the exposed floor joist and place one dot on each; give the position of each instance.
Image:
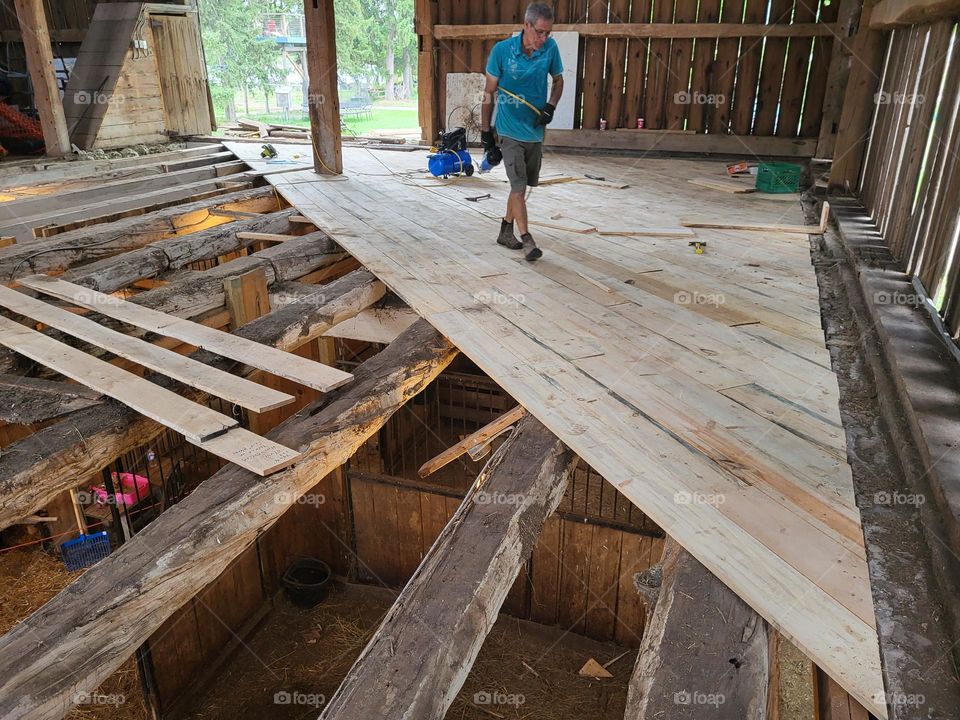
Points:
(704, 652)
(25, 400)
(74, 642)
(419, 658)
(35, 469)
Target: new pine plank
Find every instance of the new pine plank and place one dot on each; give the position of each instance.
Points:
(315, 375)
(179, 367)
(193, 421)
(647, 464)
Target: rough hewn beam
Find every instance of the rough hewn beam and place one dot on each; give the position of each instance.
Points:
(891, 13)
(420, 656)
(703, 653)
(75, 247)
(26, 400)
(118, 271)
(35, 469)
(75, 641)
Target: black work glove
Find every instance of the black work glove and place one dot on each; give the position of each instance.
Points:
(487, 140)
(546, 115)
(494, 156)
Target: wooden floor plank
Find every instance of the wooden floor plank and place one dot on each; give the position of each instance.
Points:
(315, 375)
(676, 401)
(241, 391)
(196, 422)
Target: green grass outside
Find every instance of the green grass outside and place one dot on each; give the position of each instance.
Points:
(378, 119)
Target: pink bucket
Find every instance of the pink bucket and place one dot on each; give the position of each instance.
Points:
(131, 486)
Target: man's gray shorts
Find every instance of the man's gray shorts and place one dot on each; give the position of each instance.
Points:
(522, 162)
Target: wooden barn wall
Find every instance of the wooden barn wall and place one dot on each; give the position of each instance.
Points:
(771, 86)
(910, 180)
(376, 528)
(61, 15)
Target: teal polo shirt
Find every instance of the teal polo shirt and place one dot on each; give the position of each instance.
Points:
(524, 76)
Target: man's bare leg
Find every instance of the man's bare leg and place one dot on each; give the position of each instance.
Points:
(517, 211)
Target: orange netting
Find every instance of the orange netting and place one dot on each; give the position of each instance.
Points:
(14, 124)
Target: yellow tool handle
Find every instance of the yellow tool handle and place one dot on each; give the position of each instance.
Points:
(517, 97)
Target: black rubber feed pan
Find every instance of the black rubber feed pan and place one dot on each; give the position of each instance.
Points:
(307, 582)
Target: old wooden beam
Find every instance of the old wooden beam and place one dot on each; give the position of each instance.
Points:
(643, 140)
(74, 642)
(704, 652)
(26, 400)
(428, 109)
(643, 30)
(35, 469)
(838, 74)
(420, 656)
(35, 36)
(84, 245)
(323, 101)
(893, 13)
(118, 271)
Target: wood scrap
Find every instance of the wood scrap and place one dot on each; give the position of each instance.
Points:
(592, 669)
(648, 232)
(764, 227)
(730, 186)
(263, 130)
(481, 436)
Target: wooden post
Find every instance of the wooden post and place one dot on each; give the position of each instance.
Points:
(46, 93)
(858, 102)
(838, 74)
(424, 18)
(246, 297)
(323, 101)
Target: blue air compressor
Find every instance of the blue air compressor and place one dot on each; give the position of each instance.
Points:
(451, 157)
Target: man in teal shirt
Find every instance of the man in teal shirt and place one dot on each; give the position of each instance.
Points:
(517, 76)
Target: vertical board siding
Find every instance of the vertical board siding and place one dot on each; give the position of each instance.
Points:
(910, 179)
(731, 85)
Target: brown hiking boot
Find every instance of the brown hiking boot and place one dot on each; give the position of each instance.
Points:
(507, 238)
(530, 250)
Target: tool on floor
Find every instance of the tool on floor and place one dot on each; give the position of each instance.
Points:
(268, 151)
(86, 550)
(595, 177)
(478, 198)
(698, 246)
(451, 156)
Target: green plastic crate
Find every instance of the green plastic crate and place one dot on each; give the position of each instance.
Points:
(778, 177)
